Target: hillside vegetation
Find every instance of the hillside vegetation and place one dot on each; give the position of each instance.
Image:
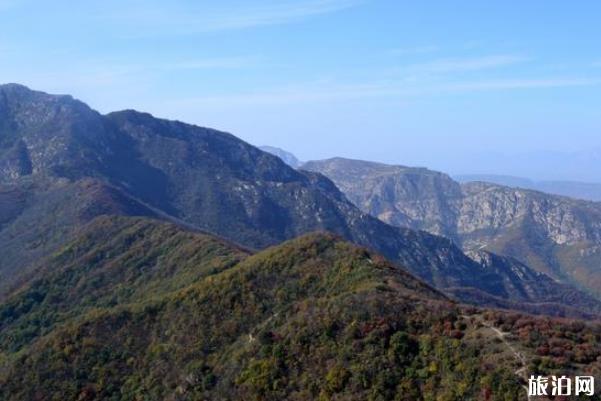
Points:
(144, 311)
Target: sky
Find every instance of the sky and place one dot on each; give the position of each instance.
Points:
(495, 87)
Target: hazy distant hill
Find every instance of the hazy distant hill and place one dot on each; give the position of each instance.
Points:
(573, 189)
(287, 157)
(553, 234)
(557, 165)
(139, 309)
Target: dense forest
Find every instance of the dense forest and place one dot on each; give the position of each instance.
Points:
(136, 309)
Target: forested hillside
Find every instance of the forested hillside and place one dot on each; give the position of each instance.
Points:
(136, 309)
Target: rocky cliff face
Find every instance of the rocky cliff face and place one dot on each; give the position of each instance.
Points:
(564, 221)
(556, 235)
(64, 164)
(402, 196)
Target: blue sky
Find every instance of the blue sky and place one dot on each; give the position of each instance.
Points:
(461, 86)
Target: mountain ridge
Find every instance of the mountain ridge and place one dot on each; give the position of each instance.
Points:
(589, 191)
(210, 180)
(556, 235)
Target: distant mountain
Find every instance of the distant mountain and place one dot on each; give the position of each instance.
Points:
(556, 235)
(573, 189)
(287, 157)
(64, 164)
(138, 309)
(506, 180)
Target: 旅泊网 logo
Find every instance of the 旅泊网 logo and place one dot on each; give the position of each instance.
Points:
(561, 385)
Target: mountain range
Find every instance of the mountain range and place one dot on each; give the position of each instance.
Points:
(64, 164)
(557, 235)
(144, 258)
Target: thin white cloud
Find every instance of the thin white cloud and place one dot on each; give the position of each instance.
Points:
(505, 84)
(308, 92)
(98, 73)
(328, 92)
(404, 51)
(159, 18)
(94, 78)
(209, 63)
(466, 64)
(277, 14)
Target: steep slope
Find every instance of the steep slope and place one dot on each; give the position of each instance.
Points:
(113, 261)
(313, 318)
(53, 150)
(560, 236)
(45, 134)
(39, 214)
(527, 290)
(555, 235)
(198, 177)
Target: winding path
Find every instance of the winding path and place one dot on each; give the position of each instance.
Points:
(522, 371)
